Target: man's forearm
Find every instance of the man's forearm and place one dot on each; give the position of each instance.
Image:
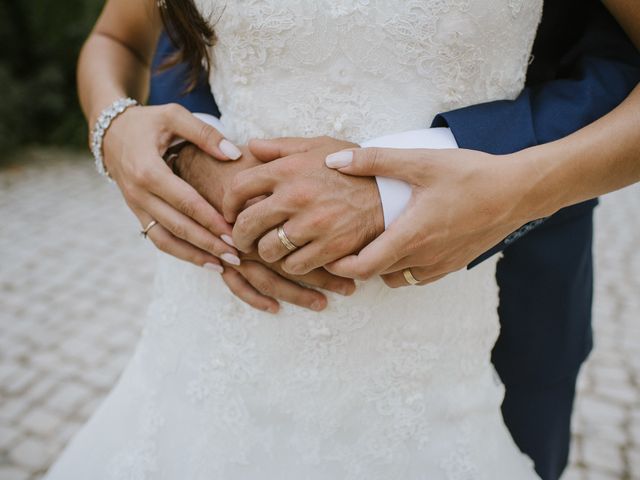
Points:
(600, 158)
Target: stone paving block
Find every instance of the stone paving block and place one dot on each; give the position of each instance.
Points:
(604, 456)
(12, 410)
(8, 436)
(31, 454)
(68, 397)
(13, 473)
(573, 474)
(41, 422)
(595, 474)
(595, 409)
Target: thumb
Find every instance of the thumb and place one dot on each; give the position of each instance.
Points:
(403, 164)
(201, 133)
(275, 148)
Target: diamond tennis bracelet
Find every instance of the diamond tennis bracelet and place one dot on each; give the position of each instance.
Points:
(107, 116)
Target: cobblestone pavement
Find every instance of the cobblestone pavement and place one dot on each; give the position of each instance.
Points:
(74, 281)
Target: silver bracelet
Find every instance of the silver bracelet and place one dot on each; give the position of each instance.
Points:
(107, 116)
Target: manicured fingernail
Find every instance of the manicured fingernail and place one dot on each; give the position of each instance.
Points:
(229, 149)
(228, 240)
(318, 305)
(339, 159)
(230, 258)
(213, 267)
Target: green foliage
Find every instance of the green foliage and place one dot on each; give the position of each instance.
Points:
(39, 45)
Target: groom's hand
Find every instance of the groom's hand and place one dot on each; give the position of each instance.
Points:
(259, 284)
(463, 203)
(325, 214)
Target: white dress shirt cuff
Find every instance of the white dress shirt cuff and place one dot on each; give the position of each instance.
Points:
(395, 194)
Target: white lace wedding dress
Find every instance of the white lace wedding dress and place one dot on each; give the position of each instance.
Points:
(386, 384)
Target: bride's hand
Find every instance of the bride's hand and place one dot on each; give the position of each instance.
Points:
(463, 203)
(188, 227)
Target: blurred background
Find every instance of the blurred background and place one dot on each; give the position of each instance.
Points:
(75, 275)
(40, 40)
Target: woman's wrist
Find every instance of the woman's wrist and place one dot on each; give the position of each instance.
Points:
(540, 195)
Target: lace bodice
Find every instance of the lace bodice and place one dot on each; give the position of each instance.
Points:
(357, 69)
(386, 384)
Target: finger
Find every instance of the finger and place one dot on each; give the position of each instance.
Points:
(320, 278)
(271, 248)
(380, 254)
(186, 229)
(407, 262)
(273, 149)
(313, 255)
(242, 289)
(184, 198)
(254, 221)
(167, 243)
(200, 133)
(271, 284)
(246, 185)
(403, 164)
(423, 275)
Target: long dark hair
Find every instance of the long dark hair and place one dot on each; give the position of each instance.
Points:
(190, 33)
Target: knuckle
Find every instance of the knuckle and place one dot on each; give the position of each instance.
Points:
(188, 206)
(267, 252)
(364, 273)
(264, 286)
(242, 225)
(143, 176)
(178, 229)
(171, 110)
(297, 266)
(206, 132)
(373, 157)
(161, 243)
(238, 182)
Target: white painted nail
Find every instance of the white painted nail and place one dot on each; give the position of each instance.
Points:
(229, 149)
(213, 267)
(230, 258)
(339, 159)
(228, 240)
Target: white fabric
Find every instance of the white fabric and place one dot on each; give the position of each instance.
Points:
(385, 384)
(395, 194)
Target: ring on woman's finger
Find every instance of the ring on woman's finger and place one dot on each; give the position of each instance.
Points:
(145, 231)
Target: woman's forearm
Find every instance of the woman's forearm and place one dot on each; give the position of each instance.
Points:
(106, 72)
(115, 60)
(600, 158)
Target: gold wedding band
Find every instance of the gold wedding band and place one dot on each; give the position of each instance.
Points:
(145, 231)
(289, 245)
(408, 276)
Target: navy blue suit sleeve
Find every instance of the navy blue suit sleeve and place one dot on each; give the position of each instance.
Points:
(598, 75)
(169, 86)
